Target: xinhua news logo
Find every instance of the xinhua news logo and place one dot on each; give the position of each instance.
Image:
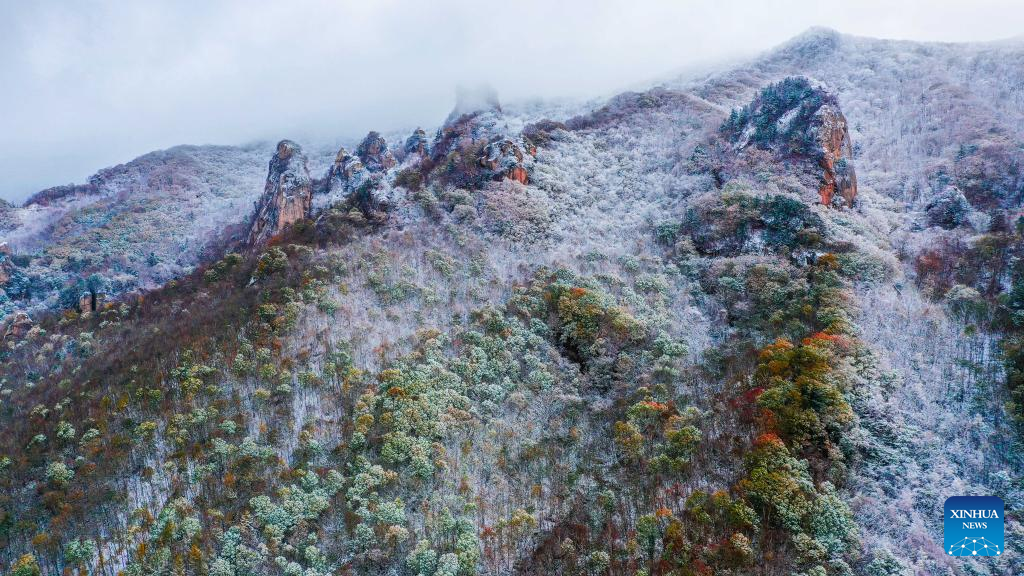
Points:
(974, 526)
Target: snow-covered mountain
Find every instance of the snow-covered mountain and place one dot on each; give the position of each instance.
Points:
(136, 225)
(759, 322)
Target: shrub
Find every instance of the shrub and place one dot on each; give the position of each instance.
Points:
(58, 474)
(832, 523)
(800, 390)
(720, 510)
(778, 483)
(410, 178)
(422, 560)
(648, 531)
(731, 223)
(26, 566)
(447, 565)
(88, 436)
(467, 549)
(271, 261)
(885, 564)
(738, 551)
(667, 232)
(443, 263)
(652, 284)
(79, 552)
(146, 430)
(597, 562)
(681, 440)
(629, 440)
(65, 432)
(589, 318)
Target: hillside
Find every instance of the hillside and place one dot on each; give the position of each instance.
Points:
(760, 322)
(135, 226)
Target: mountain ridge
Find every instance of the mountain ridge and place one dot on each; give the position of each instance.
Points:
(637, 340)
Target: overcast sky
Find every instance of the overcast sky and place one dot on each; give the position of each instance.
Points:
(91, 83)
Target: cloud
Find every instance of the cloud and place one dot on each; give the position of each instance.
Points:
(93, 83)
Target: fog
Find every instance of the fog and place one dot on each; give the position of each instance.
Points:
(88, 84)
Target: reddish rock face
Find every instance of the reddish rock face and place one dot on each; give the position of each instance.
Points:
(287, 196)
(470, 150)
(518, 173)
(507, 158)
(837, 157)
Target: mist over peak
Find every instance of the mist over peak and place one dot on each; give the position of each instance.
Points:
(95, 84)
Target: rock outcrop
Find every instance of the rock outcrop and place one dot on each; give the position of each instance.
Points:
(6, 267)
(287, 196)
(417, 144)
(797, 120)
(836, 156)
(374, 153)
(506, 158)
(949, 209)
(374, 199)
(345, 176)
(16, 326)
(347, 168)
(457, 154)
(90, 301)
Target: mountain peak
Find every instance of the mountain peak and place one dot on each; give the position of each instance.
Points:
(813, 43)
(472, 99)
(817, 32)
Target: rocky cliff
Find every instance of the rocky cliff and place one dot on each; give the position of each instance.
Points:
(795, 119)
(836, 161)
(287, 195)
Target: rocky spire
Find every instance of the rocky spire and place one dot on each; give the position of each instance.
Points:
(346, 168)
(417, 144)
(345, 175)
(374, 153)
(836, 159)
(287, 196)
